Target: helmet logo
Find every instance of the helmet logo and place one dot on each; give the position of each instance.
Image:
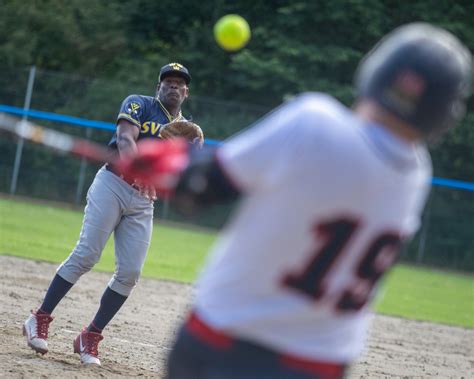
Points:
(405, 91)
(410, 84)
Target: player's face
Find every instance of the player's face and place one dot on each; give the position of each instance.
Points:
(172, 91)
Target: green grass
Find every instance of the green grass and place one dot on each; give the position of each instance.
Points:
(428, 294)
(49, 233)
(45, 232)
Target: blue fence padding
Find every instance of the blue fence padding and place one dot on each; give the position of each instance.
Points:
(58, 118)
(451, 183)
(70, 119)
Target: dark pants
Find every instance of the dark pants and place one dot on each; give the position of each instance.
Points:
(203, 353)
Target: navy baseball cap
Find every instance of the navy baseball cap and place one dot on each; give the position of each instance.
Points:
(175, 69)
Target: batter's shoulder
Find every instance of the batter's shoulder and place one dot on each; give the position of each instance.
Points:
(321, 114)
(321, 104)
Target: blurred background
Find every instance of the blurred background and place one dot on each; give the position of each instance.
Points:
(69, 64)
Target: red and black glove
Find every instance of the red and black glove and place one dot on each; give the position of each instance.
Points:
(157, 164)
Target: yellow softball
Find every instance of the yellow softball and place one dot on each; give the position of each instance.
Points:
(232, 32)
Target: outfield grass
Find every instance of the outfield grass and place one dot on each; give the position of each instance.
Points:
(428, 294)
(48, 233)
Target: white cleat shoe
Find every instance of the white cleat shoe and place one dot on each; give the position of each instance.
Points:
(35, 329)
(87, 344)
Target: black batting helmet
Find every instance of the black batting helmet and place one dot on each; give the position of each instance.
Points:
(420, 73)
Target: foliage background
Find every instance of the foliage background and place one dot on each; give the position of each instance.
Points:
(296, 46)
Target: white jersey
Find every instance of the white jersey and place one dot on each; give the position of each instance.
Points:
(328, 198)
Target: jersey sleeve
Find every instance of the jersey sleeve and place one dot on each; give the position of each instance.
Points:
(132, 110)
(266, 155)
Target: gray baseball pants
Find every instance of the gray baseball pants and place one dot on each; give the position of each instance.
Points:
(112, 206)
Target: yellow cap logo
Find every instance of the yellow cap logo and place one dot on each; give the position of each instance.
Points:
(176, 66)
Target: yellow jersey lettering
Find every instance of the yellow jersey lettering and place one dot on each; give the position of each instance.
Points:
(150, 127)
(145, 127)
(154, 128)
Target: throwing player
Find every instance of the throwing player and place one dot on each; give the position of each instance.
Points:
(118, 205)
(327, 197)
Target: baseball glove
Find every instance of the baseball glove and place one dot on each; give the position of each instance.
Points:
(184, 129)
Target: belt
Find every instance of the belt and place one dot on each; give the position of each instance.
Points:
(223, 341)
(114, 171)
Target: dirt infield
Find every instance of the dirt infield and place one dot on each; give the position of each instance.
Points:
(137, 341)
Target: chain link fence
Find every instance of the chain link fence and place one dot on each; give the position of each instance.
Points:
(445, 239)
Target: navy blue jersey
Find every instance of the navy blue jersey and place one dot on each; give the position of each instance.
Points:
(147, 113)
